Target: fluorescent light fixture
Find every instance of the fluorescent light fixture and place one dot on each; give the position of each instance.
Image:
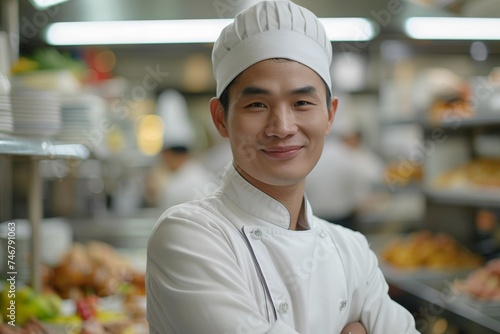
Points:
(180, 31)
(453, 28)
(134, 32)
(44, 4)
(349, 29)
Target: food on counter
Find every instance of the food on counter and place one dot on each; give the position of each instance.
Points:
(89, 277)
(87, 274)
(42, 313)
(34, 312)
(32, 326)
(29, 304)
(478, 173)
(87, 309)
(424, 249)
(100, 321)
(482, 283)
(94, 289)
(98, 268)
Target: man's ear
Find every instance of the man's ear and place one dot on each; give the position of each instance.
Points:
(218, 116)
(331, 114)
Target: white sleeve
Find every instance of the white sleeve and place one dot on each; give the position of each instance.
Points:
(194, 283)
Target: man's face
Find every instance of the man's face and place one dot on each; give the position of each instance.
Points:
(276, 122)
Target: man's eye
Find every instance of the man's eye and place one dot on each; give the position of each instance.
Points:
(256, 105)
(302, 103)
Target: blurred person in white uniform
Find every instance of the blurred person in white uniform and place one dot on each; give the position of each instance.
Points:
(218, 156)
(346, 173)
(252, 257)
(187, 178)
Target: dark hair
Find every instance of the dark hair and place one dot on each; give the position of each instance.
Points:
(224, 97)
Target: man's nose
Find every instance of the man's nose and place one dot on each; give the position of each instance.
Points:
(281, 122)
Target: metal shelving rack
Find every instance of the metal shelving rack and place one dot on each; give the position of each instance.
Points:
(33, 151)
(459, 206)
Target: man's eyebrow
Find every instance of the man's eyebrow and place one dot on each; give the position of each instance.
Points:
(253, 90)
(304, 90)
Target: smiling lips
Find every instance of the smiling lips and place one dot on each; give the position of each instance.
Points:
(282, 152)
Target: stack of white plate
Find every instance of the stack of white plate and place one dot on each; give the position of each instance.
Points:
(56, 239)
(6, 119)
(82, 117)
(36, 112)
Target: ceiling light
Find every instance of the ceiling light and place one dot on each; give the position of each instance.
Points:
(134, 32)
(349, 29)
(453, 28)
(44, 4)
(180, 31)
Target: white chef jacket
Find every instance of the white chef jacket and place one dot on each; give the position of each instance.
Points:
(229, 264)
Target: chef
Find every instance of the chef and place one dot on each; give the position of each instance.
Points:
(252, 257)
(187, 178)
(346, 173)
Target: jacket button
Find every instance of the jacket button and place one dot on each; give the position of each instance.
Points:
(342, 305)
(283, 307)
(257, 233)
(322, 234)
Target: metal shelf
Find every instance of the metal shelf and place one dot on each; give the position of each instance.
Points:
(472, 197)
(484, 119)
(43, 149)
(479, 120)
(404, 121)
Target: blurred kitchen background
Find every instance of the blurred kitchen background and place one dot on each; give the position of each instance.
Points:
(96, 131)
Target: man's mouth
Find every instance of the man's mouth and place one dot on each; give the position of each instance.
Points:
(282, 152)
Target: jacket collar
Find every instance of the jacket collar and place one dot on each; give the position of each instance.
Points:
(257, 203)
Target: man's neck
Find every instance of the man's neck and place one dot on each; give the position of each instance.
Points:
(292, 196)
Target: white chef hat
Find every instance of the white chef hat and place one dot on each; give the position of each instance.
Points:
(271, 29)
(178, 129)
